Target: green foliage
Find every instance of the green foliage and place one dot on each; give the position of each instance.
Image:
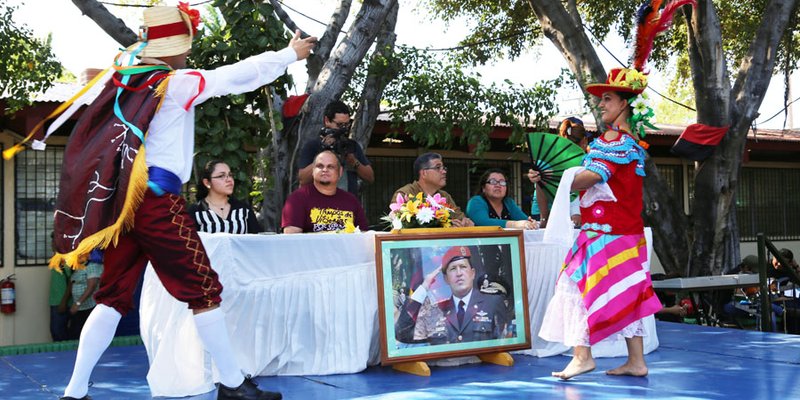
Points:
(741, 18)
(680, 89)
(232, 128)
(433, 95)
(739, 21)
(501, 28)
(28, 64)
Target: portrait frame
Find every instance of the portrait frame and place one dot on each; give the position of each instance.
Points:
(497, 318)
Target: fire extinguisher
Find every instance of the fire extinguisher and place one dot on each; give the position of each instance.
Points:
(8, 302)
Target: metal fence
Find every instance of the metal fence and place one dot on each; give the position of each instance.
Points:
(37, 175)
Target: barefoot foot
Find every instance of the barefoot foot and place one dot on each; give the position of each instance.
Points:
(574, 368)
(629, 370)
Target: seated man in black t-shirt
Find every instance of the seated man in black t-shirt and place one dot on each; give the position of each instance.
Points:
(334, 137)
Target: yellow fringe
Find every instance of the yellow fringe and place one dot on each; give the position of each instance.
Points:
(137, 186)
(161, 89)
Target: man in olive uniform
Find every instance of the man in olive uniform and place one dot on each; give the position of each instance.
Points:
(467, 315)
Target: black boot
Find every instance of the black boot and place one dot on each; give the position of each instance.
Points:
(247, 390)
(72, 398)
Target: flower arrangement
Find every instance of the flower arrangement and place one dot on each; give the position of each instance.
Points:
(414, 211)
(642, 115)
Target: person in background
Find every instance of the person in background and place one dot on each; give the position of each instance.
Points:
(322, 206)
(570, 128)
(672, 310)
(60, 295)
(431, 178)
(334, 136)
(492, 206)
(216, 209)
(84, 283)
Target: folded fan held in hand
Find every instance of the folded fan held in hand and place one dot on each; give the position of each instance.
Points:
(551, 155)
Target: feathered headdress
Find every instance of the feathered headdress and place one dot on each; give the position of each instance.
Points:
(650, 21)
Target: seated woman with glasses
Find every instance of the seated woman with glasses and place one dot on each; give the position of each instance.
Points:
(216, 210)
(492, 206)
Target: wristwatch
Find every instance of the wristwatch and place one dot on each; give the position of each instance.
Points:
(356, 164)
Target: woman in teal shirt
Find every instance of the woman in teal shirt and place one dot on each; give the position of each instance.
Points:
(492, 206)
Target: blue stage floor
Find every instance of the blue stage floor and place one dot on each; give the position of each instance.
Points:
(692, 362)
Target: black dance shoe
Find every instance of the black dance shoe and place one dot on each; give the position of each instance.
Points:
(247, 390)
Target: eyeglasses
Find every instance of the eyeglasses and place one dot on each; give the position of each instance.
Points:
(440, 168)
(223, 176)
(342, 125)
(497, 182)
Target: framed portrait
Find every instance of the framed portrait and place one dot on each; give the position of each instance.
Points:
(451, 294)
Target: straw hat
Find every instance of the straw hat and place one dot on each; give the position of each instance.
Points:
(620, 80)
(168, 31)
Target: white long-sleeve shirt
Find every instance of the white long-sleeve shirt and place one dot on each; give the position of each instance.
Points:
(170, 142)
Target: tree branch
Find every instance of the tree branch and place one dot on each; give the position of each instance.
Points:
(377, 79)
(707, 60)
(109, 23)
(338, 70)
(286, 19)
(758, 65)
(322, 52)
(566, 32)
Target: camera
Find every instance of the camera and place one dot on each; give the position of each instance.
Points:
(342, 145)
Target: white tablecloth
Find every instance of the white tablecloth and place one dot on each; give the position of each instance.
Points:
(305, 305)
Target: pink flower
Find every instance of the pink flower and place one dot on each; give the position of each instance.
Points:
(436, 201)
(398, 203)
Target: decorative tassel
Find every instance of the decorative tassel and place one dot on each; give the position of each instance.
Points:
(161, 89)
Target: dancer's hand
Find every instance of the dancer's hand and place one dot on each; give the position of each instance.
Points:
(302, 46)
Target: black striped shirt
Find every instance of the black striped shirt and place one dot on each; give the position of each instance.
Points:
(241, 218)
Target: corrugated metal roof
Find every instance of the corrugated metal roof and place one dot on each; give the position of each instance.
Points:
(60, 92)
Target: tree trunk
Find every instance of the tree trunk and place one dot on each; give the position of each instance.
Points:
(322, 52)
(338, 70)
(663, 214)
(716, 234)
(329, 85)
(378, 77)
(566, 32)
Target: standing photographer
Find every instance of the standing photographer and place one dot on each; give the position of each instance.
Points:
(333, 136)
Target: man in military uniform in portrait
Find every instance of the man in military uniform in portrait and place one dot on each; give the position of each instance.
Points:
(467, 315)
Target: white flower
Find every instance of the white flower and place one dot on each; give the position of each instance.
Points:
(425, 215)
(397, 224)
(640, 105)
